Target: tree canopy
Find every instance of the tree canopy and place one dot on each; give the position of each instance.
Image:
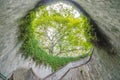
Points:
(55, 36)
(61, 33)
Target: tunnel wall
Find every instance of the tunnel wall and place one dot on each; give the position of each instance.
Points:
(103, 65)
(105, 14)
(11, 11)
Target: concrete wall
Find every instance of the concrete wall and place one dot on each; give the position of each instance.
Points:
(10, 58)
(103, 66)
(106, 15)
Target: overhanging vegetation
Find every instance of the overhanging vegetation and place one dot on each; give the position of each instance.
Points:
(31, 46)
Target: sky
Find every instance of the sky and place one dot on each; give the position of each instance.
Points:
(58, 6)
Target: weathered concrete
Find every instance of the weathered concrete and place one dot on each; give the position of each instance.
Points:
(24, 74)
(103, 66)
(10, 59)
(106, 13)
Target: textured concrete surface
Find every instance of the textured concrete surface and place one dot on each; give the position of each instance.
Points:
(10, 59)
(103, 66)
(106, 13)
(24, 74)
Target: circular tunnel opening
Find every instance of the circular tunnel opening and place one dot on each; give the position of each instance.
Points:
(62, 31)
(56, 34)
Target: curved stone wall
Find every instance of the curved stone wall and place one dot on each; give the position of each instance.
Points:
(103, 65)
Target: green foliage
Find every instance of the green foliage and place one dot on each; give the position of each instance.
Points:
(70, 35)
(64, 25)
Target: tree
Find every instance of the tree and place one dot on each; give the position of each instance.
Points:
(61, 33)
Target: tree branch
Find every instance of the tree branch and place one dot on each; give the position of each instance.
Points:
(67, 51)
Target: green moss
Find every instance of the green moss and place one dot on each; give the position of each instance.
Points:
(30, 46)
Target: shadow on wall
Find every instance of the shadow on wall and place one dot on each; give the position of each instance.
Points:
(102, 40)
